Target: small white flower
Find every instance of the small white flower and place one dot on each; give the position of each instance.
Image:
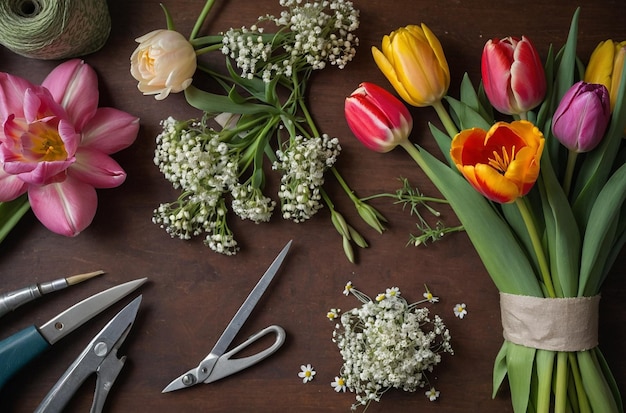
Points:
(460, 310)
(307, 373)
(347, 288)
(339, 384)
(432, 394)
(333, 313)
(392, 292)
(429, 296)
(380, 297)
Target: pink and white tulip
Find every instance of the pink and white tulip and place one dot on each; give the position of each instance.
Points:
(377, 118)
(55, 144)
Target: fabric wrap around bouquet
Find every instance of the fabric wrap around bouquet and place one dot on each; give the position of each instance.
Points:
(556, 324)
(54, 29)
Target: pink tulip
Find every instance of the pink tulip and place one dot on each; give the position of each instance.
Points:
(55, 144)
(377, 118)
(582, 116)
(513, 75)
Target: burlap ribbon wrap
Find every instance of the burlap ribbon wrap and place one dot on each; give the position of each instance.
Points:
(54, 29)
(557, 324)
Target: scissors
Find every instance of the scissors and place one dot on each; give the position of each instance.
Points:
(99, 357)
(218, 364)
(22, 347)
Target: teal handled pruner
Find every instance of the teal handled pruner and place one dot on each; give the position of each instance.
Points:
(100, 358)
(218, 364)
(22, 347)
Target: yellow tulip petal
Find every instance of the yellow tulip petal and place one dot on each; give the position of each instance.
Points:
(494, 185)
(600, 66)
(389, 71)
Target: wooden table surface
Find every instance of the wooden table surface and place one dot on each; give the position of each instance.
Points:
(192, 292)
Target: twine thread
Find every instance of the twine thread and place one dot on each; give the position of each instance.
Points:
(54, 29)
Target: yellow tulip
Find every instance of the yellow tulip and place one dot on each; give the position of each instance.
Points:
(606, 65)
(413, 61)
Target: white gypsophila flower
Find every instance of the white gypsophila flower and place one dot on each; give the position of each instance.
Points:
(386, 344)
(250, 203)
(195, 161)
(303, 164)
(310, 34)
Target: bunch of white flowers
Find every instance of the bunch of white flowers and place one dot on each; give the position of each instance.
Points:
(303, 164)
(311, 34)
(385, 344)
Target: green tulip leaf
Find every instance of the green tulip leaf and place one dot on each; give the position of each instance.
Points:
(10, 214)
(601, 396)
(499, 369)
(213, 103)
(519, 362)
(493, 240)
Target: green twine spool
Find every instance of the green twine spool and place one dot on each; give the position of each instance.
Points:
(54, 29)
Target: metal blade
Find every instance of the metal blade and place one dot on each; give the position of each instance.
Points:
(246, 308)
(100, 356)
(203, 371)
(72, 318)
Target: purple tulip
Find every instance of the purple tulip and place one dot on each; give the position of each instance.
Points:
(582, 116)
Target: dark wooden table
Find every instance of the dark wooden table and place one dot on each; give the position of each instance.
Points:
(192, 292)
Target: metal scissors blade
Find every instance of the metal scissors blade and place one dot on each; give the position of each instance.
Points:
(100, 357)
(204, 371)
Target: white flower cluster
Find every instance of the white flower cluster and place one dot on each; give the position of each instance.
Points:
(303, 164)
(385, 344)
(194, 160)
(312, 34)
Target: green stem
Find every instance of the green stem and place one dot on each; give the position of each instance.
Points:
(569, 171)
(418, 199)
(536, 242)
(560, 391)
(201, 18)
(10, 214)
(208, 49)
(445, 118)
(583, 401)
(344, 185)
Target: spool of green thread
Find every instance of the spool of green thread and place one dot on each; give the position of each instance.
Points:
(54, 29)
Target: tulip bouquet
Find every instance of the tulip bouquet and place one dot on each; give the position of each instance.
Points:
(540, 195)
(261, 115)
(54, 148)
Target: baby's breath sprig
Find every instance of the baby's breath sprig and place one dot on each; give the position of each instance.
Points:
(268, 66)
(385, 344)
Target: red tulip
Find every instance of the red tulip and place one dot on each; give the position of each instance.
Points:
(513, 75)
(377, 118)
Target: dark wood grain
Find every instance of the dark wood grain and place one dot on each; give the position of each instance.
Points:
(193, 292)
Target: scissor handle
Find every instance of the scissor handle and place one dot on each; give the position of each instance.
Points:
(19, 350)
(226, 366)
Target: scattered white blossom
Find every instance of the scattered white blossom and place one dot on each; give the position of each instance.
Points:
(460, 310)
(430, 297)
(307, 373)
(347, 288)
(386, 344)
(333, 313)
(339, 384)
(432, 394)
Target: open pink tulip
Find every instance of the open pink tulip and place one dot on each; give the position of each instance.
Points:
(55, 144)
(377, 118)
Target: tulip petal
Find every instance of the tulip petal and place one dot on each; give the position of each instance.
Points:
(74, 85)
(110, 130)
(491, 183)
(12, 91)
(96, 168)
(65, 208)
(11, 186)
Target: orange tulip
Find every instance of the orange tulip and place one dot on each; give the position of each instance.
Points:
(501, 163)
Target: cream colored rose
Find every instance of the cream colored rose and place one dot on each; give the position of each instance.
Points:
(163, 63)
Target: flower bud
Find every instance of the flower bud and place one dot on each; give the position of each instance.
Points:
(377, 118)
(512, 74)
(413, 61)
(582, 116)
(606, 65)
(163, 63)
